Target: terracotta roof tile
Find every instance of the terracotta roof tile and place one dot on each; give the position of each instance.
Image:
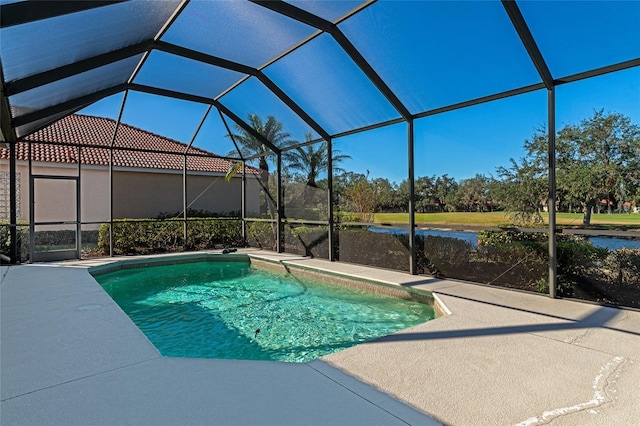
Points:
(92, 132)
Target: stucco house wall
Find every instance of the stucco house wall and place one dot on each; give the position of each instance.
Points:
(147, 174)
(147, 194)
(142, 193)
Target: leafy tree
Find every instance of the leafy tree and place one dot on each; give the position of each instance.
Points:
(360, 196)
(401, 196)
(363, 196)
(444, 187)
(522, 189)
(426, 195)
(424, 189)
(473, 194)
(595, 159)
(342, 181)
(385, 192)
(272, 130)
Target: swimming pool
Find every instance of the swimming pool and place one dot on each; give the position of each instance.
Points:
(232, 310)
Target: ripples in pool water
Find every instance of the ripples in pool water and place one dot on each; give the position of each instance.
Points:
(233, 311)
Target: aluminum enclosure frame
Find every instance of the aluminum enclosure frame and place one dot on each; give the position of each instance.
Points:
(22, 12)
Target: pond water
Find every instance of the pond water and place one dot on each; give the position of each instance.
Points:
(472, 237)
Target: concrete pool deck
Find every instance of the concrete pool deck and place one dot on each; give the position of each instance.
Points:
(69, 355)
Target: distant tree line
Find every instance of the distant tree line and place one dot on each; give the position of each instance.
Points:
(597, 167)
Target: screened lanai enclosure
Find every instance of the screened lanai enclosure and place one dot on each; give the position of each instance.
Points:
(496, 142)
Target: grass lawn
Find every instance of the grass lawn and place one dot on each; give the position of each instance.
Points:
(501, 219)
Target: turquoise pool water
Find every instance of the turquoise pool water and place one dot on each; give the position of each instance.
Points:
(232, 311)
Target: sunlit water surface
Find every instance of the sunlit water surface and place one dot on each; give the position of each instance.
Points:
(233, 311)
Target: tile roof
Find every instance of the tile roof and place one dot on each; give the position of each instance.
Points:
(92, 132)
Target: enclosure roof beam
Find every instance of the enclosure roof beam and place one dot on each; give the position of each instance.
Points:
(206, 101)
(240, 122)
(72, 104)
(620, 66)
(195, 134)
(202, 57)
(29, 11)
(233, 139)
(162, 31)
(7, 132)
(296, 13)
(305, 17)
(49, 76)
(45, 77)
(276, 90)
(452, 107)
(523, 31)
(482, 100)
(169, 93)
(234, 66)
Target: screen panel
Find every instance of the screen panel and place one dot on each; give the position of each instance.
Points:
(257, 34)
(330, 10)
(51, 43)
(577, 36)
(370, 194)
(433, 53)
(73, 87)
(305, 188)
(169, 123)
(329, 86)
(184, 75)
(252, 98)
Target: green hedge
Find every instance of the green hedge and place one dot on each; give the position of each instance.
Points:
(22, 235)
(305, 240)
(262, 235)
(624, 265)
(502, 263)
(584, 270)
(574, 253)
(143, 236)
(44, 240)
(361, 246)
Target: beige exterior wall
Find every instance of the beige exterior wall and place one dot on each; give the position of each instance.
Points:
(138, 193)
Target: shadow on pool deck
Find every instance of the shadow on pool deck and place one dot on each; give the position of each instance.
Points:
(70, 356)
(500, 357)
(597, 319)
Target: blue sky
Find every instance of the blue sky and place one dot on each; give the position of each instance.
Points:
(445, 62)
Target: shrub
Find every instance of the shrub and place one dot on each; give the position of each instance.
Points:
(495, 238)
(358, 245)
(307, 240)
(576, 255)
(624, 265)
(262, 235)
(211, 233)
(197, 213)
(573, 252)
(305, 213)
(346, 217)
(565, 285)
(442, 254)
(140, 236)
(22, 236)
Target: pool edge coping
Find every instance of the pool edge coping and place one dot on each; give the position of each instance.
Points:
(420, 295)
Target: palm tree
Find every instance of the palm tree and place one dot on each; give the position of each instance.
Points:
(272, 131)
(310, 161)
